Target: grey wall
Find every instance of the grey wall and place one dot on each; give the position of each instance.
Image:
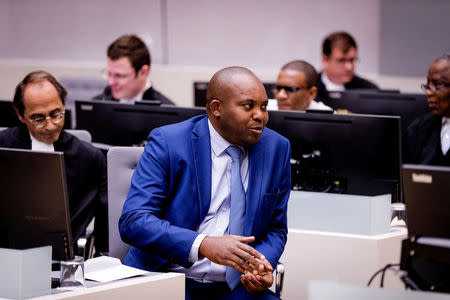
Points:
(75, 30)
(197, 32)
(413, 33)
(267, 33)
(398, 37)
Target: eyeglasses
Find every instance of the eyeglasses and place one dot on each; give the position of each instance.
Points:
(434, 87)
(343, 60)
(116, 76)
(40, 122)
(289, 89)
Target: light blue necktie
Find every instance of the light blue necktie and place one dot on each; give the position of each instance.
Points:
(237, 210)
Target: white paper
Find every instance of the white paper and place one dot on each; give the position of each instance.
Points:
(106, 268)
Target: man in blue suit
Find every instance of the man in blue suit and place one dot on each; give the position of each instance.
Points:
(183, 212)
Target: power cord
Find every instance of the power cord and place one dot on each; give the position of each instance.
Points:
(382, 271)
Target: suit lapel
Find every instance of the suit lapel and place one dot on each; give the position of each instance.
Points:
(254, 190)
(432, 148)
(201, 148)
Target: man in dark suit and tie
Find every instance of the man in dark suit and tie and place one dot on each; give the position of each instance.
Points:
(428, 137)
(209, 195)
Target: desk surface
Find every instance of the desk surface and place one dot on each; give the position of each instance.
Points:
(160, 286)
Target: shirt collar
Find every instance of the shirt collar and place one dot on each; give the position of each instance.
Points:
(445, 120)
(218, 143)
(331, 86)
(40, 146)
(139, 96)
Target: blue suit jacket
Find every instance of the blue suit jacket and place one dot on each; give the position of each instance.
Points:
(170, 195)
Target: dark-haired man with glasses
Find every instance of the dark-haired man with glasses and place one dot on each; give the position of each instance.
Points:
(428, 137)
(39, 103)
(296, 89)
(339, 57)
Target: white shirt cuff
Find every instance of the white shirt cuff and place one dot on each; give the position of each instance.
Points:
(193, 254)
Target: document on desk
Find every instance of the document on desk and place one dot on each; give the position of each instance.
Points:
(106, 268)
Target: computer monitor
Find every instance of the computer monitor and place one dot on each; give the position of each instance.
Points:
(427, 194)
(407, 106)
(426, 253)
(118, 124)
(34, 207)
(8, 117)
(349, 154)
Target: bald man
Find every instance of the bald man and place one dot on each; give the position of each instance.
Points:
(428, 137)
(188, 211)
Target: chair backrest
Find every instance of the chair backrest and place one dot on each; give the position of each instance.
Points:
(121, 162)
(83, 135)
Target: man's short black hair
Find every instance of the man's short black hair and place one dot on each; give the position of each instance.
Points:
(341, 40)
(33, 77)
(131, 46)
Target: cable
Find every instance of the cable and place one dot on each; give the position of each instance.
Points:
(383, 271)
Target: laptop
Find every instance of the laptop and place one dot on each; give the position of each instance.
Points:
(426, 254)
(427, 200)
(34, 206)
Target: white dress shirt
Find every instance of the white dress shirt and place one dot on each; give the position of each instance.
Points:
(331, 86)
(138, 97)
(217, 218)
(318, 105)
(40, 146)
(445, 135)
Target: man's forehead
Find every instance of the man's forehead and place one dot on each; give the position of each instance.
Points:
(440, 69)
(291, 74)
(39, 87)
(121, 61)
(342, 51)
(41, 93)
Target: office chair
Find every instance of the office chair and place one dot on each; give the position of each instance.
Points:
(121, 162)
(83, 135)
(85, 243)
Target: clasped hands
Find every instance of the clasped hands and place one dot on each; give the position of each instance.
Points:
(233, 251)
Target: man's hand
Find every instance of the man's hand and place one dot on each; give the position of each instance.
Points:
(260, 279)
(232, 251)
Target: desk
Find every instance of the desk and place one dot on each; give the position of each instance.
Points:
(348, 258)
(319, 290)
(165, 286)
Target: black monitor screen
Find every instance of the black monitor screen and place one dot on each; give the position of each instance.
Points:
(8, 117)
(34, 208)
(350, 154)
(407, 106)
(118, 124)
(427, 195)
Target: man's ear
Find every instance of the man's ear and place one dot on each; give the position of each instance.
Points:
(312, 93)
(18, 115)
(145, 70)
(215, 108)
